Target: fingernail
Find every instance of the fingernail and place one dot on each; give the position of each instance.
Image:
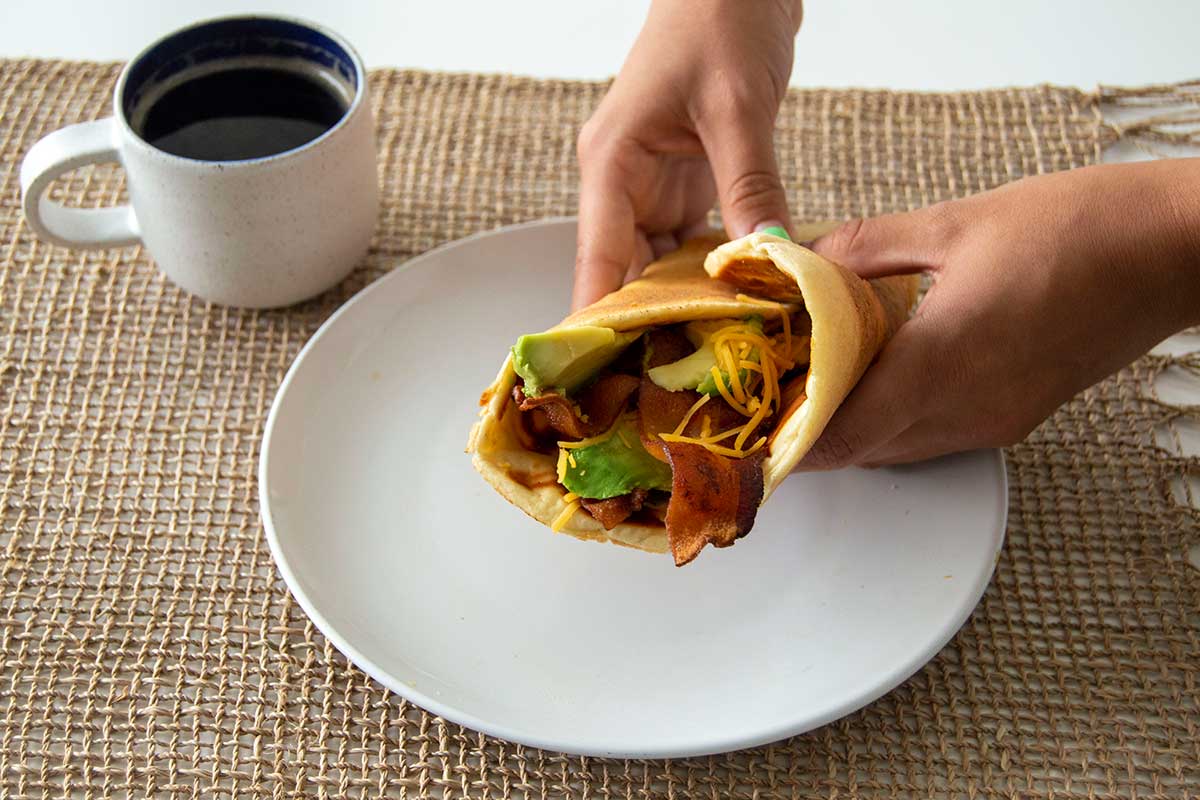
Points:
(773, 227)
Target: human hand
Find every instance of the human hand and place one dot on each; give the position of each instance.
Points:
(689, 118)
(1040, 289)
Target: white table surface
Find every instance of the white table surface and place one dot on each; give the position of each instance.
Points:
(901, 44)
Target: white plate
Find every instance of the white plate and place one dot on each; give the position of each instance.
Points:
(429, 581)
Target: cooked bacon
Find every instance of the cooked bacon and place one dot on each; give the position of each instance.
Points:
(666, 345)
(612, 512)
(660, 410)
(551, 410)
(598, 407)
(714, 499)
(530, 429)
(605, 399)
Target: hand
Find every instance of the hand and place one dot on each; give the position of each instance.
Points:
(690, 116)
(1040, 289)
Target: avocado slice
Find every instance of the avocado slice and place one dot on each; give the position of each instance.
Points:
(567, 358)
(695, 371)
(616, 465)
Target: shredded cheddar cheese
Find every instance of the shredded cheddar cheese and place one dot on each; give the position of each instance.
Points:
(586, 442)
(715, 448)
(571, 459)
(564, 517)
(705, 438)
(746, 376)
(562, 465)
(729, 362)
(691, 412)
(719, 380)
(784, 316)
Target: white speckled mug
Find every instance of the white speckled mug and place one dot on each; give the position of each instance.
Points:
(229, 224)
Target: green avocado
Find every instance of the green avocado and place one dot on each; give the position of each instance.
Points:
(567, 358)
(695, 371)
(616, 465)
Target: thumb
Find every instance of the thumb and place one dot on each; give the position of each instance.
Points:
(888, 245)
(742, 155)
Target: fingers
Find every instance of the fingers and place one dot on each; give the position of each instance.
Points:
(644, 252)
(880, 409)
(606, 245)
(928, 438)
(662, 243)
(893, 243)
(742, 154)
(883, 421)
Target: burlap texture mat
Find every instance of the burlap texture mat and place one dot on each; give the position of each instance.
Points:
(150, 648)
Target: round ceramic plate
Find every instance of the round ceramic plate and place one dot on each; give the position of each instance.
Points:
(429, 581)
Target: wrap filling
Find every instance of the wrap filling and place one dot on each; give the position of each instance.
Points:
(670, 423)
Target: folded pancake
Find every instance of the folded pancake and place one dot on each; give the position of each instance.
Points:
(688, 395)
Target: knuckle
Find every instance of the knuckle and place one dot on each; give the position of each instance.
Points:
(592, 259)
(590, 139)
(849, 239)
(602, 149)
(754, 190)
(729, 98)
(944, 222)
(835, 449)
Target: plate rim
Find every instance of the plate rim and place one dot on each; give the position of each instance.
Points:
(702, 746)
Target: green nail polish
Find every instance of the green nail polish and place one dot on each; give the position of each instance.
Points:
(775, 230)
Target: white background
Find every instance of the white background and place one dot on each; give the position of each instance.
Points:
(903, 44)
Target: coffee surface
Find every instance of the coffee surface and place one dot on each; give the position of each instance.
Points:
(242, 113)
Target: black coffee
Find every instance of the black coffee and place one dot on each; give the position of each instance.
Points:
(244, 112)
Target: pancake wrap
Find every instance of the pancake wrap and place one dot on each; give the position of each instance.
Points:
(708, 279)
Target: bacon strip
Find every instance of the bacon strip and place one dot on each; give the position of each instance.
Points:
(601, 403)
(714, 499)
(605, 399)
(612, 512)
(659, 410)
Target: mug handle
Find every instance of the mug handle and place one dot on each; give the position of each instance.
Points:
(62, 151)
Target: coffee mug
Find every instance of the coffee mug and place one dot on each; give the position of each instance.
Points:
(249, 153)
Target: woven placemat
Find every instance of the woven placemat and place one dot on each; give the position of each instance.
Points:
(150, 648)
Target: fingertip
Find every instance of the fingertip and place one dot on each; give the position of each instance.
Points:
(774, 227)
